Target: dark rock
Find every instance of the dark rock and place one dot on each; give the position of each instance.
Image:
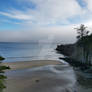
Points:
(66, 49)
(37, 81)
(2, 58)
(76, 63)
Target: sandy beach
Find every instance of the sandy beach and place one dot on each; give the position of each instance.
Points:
(30, 64)
(40, 76)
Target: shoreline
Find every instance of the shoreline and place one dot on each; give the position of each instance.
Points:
(30, 64)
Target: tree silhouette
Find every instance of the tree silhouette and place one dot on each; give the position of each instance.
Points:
(82, 31)
(83, 43)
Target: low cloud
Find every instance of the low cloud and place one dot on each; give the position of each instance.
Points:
(59, 35)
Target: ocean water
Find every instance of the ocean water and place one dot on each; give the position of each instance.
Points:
(13, 51)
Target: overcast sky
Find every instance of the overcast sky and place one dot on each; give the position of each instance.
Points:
(43, 20)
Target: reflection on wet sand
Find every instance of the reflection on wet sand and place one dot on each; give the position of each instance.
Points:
(57, 77)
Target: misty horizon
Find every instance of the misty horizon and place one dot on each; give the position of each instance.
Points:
(36, 21)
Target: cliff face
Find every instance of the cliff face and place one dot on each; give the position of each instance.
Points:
(80, 51)
(67, 50)
(84, 49)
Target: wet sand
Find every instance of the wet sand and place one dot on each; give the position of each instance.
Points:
(40, 76)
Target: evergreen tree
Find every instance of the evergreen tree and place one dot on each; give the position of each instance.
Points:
(2, 77)
(82, 31)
